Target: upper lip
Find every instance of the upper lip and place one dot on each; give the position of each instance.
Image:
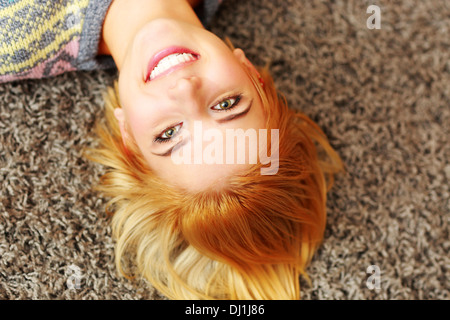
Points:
(164, 53)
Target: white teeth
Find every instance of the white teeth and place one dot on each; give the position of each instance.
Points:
(170, 61)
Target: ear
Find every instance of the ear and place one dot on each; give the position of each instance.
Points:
(240, 55)
(120, 116)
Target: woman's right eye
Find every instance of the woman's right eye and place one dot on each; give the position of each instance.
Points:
(227, 104)
(168, 133)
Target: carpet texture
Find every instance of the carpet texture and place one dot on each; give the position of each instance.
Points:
(381, 95)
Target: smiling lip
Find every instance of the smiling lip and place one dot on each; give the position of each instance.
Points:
(167, 52)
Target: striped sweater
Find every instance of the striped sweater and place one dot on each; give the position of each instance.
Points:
(43, 38)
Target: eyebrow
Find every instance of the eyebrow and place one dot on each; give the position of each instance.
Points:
(228, 118)
(168, 152)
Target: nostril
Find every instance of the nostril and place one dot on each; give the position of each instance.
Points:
(194, 81)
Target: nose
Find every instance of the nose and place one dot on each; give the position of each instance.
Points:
(186, 95)
(185, 89)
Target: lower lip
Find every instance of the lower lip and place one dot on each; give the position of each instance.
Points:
(164, 53)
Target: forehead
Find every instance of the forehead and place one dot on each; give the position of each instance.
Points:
(202, 168)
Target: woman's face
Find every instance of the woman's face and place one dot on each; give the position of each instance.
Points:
(198, 84)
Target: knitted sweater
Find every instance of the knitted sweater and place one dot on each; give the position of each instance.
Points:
(43, 38)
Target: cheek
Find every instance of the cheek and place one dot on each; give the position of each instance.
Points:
(138, 121)
(226, 71)
(139, 125)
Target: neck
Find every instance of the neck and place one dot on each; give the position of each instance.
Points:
(125, 18)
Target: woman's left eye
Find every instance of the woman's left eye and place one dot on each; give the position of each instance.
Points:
(168, 134)
(227, 104)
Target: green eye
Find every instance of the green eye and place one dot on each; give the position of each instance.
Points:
(168, 134)
(227, 104)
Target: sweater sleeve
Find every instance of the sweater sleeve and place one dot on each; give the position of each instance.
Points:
(44, 38)
(90, 38)
(206, 10)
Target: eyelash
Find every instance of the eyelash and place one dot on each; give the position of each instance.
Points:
(163, 140)
(238, 98)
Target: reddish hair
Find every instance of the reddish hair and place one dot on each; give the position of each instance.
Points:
(252, 239)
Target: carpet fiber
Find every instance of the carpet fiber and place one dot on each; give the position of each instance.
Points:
(381, 95)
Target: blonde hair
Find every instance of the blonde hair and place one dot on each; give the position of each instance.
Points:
(250, 240)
